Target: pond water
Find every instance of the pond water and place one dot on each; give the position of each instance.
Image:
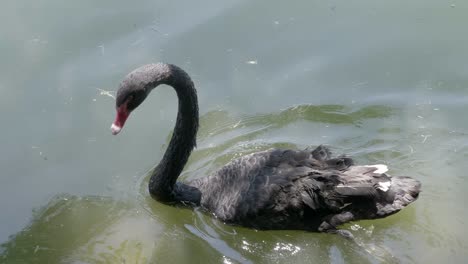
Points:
(383, 81)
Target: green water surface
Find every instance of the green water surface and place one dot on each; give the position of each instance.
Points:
(383, 81)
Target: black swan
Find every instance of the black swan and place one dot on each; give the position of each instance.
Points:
(272, 189)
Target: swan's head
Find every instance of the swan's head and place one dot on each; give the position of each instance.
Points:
(129, 96)
(135, 87)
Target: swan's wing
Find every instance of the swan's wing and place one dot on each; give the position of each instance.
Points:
(365, 181)
(288, 189)
(369, 192)
(274, 182)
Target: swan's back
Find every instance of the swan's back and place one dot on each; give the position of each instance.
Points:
(289, 189)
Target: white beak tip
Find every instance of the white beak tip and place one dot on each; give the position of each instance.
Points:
(115, 129)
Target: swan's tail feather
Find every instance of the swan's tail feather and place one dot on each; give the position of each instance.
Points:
(390, 194)
(404, 190)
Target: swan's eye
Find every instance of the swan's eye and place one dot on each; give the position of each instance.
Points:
(135, 99)
(129, 99)
(130, 102)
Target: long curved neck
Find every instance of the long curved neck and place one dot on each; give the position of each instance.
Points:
(164, 176)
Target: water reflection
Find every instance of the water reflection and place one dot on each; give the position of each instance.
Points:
(85, 229)
(137, 229)
(380, 80)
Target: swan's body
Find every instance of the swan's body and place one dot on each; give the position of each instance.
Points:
(273, 189)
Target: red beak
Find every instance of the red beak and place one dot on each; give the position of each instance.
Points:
(122, 115)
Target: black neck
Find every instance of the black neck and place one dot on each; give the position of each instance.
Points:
(164, 176)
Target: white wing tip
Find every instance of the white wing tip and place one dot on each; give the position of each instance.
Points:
(381, 168)
(384, 186)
